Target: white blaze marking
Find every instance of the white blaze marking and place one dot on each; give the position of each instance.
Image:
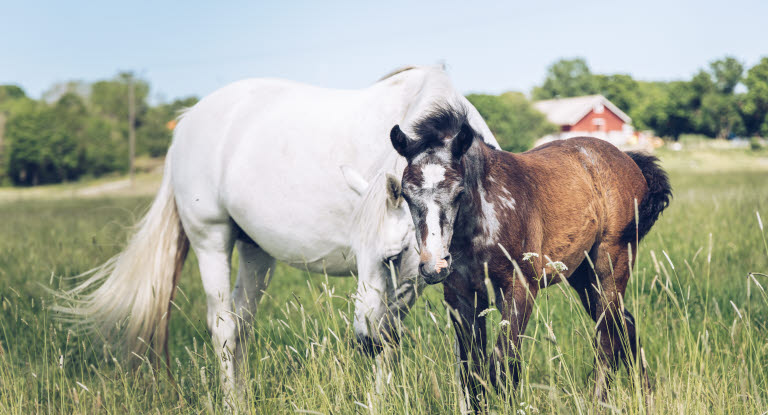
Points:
(433, 174)
(434, 241)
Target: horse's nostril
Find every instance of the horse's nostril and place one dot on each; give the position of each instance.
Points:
(423, 268)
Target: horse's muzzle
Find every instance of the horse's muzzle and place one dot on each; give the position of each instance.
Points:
(433, 274)
(373, 346)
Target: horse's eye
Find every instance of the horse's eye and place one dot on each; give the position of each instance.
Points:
(394, 259)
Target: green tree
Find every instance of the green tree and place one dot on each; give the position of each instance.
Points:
(110, 98)
(154, 135)
(620, 89)
(755, 103)
(512, 119)
(566, 78)
(726, 73)
(11, 92)
(664, 107)
(719, 116)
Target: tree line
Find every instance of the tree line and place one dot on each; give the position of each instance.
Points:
(79, 129)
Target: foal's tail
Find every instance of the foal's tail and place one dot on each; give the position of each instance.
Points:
(127, 299)
(656, 199)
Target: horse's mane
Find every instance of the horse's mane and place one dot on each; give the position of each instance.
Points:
(397, 71)
(368, 217)
(406, 68)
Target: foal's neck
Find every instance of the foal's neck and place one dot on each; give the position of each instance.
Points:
(488, 179)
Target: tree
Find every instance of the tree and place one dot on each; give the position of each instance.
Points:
(719, 116)
(664, 107)
(110, 98)
(727, 74)
(566, 78)
(154, 135)
(11, 92)
(512, 119)
(620, 89)
(755, 103)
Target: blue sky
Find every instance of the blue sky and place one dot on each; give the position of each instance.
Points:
(192, 48)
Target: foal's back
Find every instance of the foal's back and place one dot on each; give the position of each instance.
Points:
(579, 192)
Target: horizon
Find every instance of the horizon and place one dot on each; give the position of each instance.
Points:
(491, 50)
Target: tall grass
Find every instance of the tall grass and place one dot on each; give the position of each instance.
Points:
(698, 293)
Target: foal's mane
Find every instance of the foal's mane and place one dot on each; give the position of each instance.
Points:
(443, 120)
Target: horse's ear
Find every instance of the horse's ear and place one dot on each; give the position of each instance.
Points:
(394, 191)
(355, 180)
(399, 140)
(462, 141)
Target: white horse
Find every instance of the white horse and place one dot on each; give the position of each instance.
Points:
(256, 164)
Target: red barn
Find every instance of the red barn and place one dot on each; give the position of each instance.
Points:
(591, 115)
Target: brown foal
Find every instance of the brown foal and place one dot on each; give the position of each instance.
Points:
(572, 201)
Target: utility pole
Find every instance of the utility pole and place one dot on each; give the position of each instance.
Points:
(131, 126)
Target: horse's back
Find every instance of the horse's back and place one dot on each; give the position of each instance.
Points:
(266, 153)
(585, 188)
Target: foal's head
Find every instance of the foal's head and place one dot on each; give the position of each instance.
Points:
(433, 184)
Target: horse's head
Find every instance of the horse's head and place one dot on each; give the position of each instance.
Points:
(433, 184)
(383, 244)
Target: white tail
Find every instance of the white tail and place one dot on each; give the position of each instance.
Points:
(130, 305)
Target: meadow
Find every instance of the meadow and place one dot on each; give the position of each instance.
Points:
(698, 293)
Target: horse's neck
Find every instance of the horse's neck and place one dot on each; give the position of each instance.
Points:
(489, 176)
(475, 165)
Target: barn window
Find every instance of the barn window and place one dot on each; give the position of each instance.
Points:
(599, 124)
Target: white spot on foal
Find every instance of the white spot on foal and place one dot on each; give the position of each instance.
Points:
(433, 175)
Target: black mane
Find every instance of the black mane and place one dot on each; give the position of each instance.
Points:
(432, 129)
(441, 121)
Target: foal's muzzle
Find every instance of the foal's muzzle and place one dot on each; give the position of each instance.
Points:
(431, 274)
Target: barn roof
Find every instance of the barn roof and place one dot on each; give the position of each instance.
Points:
(568, 111)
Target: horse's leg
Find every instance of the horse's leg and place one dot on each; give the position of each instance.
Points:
(252, 280)
(213, 244)
(516, 307)
(470, 340)
(602, 293)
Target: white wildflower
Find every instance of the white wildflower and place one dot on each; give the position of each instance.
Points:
(486, 311)
(503, 323)
(528, 255)
(558, 266)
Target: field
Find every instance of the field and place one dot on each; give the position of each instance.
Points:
(698, 294)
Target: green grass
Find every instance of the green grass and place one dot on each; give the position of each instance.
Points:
(701, 318)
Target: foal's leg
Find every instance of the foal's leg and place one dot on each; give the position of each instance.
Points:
(470, 340)
(602, 294)
(213, 244)
(255, 267)
(516, 307)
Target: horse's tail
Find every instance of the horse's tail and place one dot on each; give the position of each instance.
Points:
(127, 299)
(655, 200)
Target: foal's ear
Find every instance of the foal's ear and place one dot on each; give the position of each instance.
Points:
(399, 140)
(394, 191)
(355, 180)
(462, 141)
